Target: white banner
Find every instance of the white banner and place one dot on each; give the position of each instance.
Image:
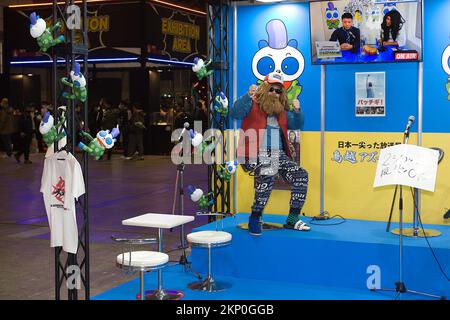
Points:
(407, 165)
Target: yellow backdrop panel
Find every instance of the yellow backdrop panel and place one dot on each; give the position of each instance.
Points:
(434, 205)
(350, 164)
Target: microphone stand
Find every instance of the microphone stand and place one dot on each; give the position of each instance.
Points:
(180, 177)
(400, 285)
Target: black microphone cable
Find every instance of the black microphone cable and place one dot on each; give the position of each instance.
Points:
(426, 238)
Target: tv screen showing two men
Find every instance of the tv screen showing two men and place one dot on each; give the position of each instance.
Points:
(348, 31)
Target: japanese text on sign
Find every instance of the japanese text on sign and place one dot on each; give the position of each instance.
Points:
(407, 165)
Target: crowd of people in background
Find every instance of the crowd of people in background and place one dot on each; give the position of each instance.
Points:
(19, 127)
(179, 114)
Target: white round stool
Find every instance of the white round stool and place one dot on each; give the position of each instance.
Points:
(142, 261)
(209, 239)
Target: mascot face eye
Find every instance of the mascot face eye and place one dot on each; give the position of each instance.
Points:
(289, 66)
(335, 15)
(265, 65)
(446, 60)
(328, 15)
(106, 139)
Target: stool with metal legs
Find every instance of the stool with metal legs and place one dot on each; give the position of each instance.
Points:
(160, 221)
(140, 261)
(209, 240)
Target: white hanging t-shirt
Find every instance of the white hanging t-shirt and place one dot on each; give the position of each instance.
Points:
(62, 182)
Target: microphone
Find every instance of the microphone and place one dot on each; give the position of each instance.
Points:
(408, 125)
(186, 125)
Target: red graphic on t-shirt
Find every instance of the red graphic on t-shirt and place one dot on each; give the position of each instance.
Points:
(59, 190)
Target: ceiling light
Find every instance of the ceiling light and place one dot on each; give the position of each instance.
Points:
(268, 1)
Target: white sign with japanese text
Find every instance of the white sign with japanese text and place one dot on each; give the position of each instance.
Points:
(328, 49)
(407, 165)
(370, 97)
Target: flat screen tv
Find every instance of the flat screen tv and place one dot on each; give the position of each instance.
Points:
(365, 31)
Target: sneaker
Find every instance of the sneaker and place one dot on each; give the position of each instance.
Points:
(128, 158)
(299, 226)
(254, 225)
(17, 157)
(140, 158)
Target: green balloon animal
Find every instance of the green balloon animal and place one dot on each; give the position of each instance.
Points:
(78, 84)
(43, 35)
(201, 68)
(203, 200)
(49, 130)
(96, 146)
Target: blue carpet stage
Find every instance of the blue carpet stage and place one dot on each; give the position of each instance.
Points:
(328, 262)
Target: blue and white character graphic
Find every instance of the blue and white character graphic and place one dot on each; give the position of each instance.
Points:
(332, 16)
(446, 67)
(389, 6)
(280, 55)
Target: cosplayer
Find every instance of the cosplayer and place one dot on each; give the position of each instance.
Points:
(267, 112)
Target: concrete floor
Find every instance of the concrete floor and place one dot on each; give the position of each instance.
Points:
(118, 189)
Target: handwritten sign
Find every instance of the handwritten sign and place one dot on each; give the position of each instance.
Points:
(407, 165)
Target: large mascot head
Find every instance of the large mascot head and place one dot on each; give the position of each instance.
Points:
(278, 54)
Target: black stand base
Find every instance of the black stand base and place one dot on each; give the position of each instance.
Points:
(188, 266)
(401, 288)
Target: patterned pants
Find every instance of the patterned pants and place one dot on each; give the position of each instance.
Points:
(273, 163)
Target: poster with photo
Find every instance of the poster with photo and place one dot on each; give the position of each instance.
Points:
(370, 94)
(294, 147)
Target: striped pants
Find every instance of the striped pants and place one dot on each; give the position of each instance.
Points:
(278, 162)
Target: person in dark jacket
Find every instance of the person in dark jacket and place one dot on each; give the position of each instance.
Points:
(109, 121)
(136, 133)
(348, 36)
(25, 135)
(6, 126)
(201, 114)
(124, 125)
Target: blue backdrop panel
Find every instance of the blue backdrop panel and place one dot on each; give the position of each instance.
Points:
(436, 105)
(401, 97)
(251, 29)
(336, 256)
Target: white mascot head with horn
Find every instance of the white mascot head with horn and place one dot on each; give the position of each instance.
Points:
(278, 54)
